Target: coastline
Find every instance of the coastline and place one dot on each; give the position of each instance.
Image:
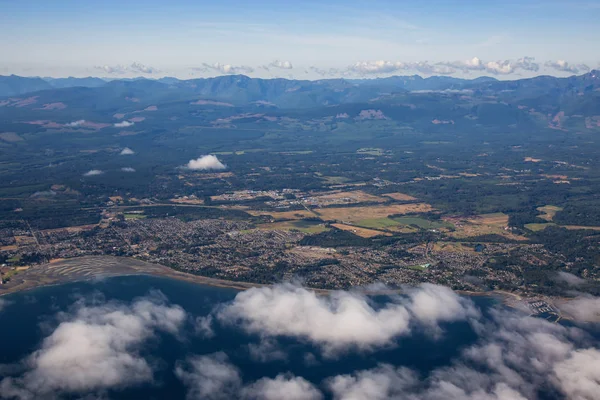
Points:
(99, 267)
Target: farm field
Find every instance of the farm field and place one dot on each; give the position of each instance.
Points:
(356, 214)
(399, 196)
(362, 232)
(299, 225)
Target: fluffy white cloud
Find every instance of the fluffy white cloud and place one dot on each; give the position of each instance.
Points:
(431, 304)
(570, 279)
(383, 382)
(204, 163)
(227, 69)
(503, 67)
(124, 124)
(583, 308)
(389, 67)
(93, 172)
(266, 350)
(377, 67)
(121, 69)
(564, 66)
(514, 358)
(343, 319)
(75, 124)
(126, 152)
(128, 169)
(141, 68)
(282, 387)
(281, 64)
(94, 349)
(209, 377)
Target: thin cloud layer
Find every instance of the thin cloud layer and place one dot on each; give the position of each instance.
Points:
(226, 69)
(204, 163)
(564, 66)
(124, 124)
(127, 152)
(75, 124)
(209, 377)
(569, 279)
(95, 348)
(128, 169)
(341, 320)
(282, 387)
(475, 64)
(520, 354)
(135, 67)
(93, 172)
(281, 64)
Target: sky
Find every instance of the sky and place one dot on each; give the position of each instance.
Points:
(305, 39)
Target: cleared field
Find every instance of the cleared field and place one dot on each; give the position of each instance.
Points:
(302, 226)
(362, 232)
(333, 180)
(134, 216)
(576, 227)
(379, 223)
(423, 223)
(399, 196)
(548, 212)
(356, 214)
(186, 201)
(284, 215)
(355, 196)
(538, 227)
(453, 247)
(497, 219)
(484, 224)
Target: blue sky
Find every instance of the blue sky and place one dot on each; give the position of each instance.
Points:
(302, 39)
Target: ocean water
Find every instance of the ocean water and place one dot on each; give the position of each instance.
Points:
(31, 316)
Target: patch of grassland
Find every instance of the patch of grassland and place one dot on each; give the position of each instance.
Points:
(134, 216)
(423, 223)
(536, 227)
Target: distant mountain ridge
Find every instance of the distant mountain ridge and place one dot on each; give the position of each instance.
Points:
(286, 93)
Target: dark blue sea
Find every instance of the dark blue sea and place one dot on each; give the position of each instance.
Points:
(29, 317)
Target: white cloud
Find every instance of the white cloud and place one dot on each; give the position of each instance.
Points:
(515, 357)
(209, 377)
(564, 66)
(570, 279)
(128, 169)
(93, 172)
(390, 67)
(502, 67)
(141, 68)
(266, 350)
(95, 348)
(206, 163)
(431, 304)
(203, 326)
(282, 387)
(583, 308)
(133, 68)
(127, 152)
(377, 67)
(75, 124)
(3, 304)
(383, 382)
(225, 68)
(281, 64)
(341, 320)
(124, 124)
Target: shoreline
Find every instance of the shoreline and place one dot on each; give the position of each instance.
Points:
(35, 277)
